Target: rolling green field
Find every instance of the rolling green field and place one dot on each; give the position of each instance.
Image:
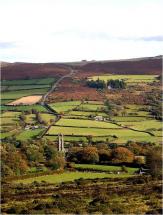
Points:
(64, 106)
(120, 133)
(23, 108)
(47, 117)
(127, 78)
(83, 113)
(129, 118)
(70, 176)
(85, 123)
(6, 101)
(104, 167)
(29, 134)
(20, 93)
(90, 107)
(40, 81)
(28, 87)
(30, 119)
(144, 125)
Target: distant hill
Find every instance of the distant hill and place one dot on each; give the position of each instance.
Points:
(32, 70)
(149, 65)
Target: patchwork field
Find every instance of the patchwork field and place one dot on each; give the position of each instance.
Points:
(23, 108)
(64, 106)
(69, 176)
(75, 125)
(128, 78)
(86, 123)
(29, 134)
(21, 93)
(28, 100)
(17, 89)
(104, 168)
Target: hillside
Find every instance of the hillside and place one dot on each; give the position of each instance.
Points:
(32, 70)
(150, 66)
(138, 66)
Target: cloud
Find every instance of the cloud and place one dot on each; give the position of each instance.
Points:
(7, 45)
(157, 38)
(152, 38)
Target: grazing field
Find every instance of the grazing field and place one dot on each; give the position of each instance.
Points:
(29, 134)
(40, 81)
(144, 125)
(28, 100)
(20, 93)
(23, 108)
(120, 133)
(48, 117)
(9, 117)
(27, 87)
(90, 107)
(127, 78)
(87, 113)
(69, 176)
(104, 168)
(64, 106)
(85, 123)
(5, 101)
(30, 119)
(129, 118)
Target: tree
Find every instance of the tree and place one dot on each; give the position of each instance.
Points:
(117, 84)
(89, 154)
(104, 155)
(13, 163)
(50, 152)
(57, 162)
(22, 117)
(122, 155)
(154, 161)
(98, 84)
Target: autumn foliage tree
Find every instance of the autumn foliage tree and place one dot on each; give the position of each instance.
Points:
(122, 155)
(89, 154)
(104, 155)
(154, 161)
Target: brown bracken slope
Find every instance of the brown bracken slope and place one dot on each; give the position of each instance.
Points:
(32, 70)
(151, 66)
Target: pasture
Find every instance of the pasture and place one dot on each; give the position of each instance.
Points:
(90, 107)
(23, 108)
(64, 106)
(127, 78)
(29, 134)
(86, 123)
(25, 87)
(21, 93)
(79, 131)
(48, 117)
(87, 113)
(76, 124)
(40, 81)
(69, 176)
(104, 168)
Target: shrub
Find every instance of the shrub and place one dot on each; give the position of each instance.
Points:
(122, 155)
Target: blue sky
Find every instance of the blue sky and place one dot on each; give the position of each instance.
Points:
(73, 30)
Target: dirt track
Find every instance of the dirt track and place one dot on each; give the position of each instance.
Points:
(55, 85)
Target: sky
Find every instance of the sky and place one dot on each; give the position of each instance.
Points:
(75, 30)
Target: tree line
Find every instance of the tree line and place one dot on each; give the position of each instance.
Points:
(101, 84)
